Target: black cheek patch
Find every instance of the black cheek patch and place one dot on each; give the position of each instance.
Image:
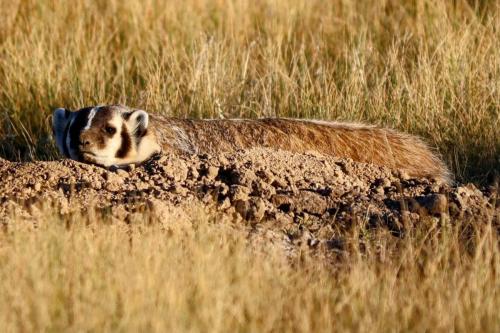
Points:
(126, 143)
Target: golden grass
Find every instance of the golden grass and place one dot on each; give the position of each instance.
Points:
(200, 274)
(427, 67)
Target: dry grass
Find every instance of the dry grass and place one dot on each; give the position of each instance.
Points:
(423, 66)
(426, 67)
(201, 275)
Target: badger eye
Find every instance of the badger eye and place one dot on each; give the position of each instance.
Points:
(110, 130)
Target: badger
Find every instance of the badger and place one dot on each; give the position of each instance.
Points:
(118, 136)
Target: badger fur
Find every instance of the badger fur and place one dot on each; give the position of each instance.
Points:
(115, 135)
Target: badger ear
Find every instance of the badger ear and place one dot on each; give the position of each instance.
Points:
(60, 118)
(60, 121)
(61, 113)
(137, 121)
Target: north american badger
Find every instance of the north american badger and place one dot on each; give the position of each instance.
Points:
(115, 135)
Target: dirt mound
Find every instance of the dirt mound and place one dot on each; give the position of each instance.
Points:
(302, 194)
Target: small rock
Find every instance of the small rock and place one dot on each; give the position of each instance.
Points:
(223, 160)
(252, 210)
(226, 203)
(278, 182)
(245, 177)
(113, 183)
(379, 190)
(141, 186)
(258, 210)
(179, 190)
(212, 172)
(96, 185)
(310, 202)
(242, 207)
(282, 202)
(194, 173)
(434, 204)
(439, 204)
(239, 192)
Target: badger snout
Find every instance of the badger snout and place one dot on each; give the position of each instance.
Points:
(85, 141)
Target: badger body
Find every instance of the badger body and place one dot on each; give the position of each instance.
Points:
(116, 135)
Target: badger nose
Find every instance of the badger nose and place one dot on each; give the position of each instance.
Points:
(84, 141)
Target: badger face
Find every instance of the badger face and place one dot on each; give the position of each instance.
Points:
(105, 135)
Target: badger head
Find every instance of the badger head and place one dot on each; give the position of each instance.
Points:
(110, 135)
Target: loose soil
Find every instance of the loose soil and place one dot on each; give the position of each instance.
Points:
(307, 197)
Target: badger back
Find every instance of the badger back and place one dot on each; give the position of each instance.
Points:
(362, 143)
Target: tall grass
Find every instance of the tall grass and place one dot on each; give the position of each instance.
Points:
(427, 67)
(199, 274)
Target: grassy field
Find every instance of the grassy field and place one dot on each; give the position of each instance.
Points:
(427, 67)
(200, 274)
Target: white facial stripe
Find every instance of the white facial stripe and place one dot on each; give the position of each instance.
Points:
(91, 116)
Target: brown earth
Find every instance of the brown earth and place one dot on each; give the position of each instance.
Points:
(302, 197)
